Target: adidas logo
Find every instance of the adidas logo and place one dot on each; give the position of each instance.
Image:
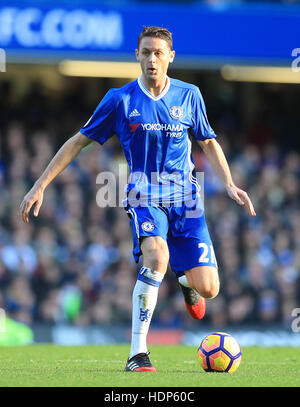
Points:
(132, 365)
(134, 113)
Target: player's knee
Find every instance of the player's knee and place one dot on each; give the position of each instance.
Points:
(158, 258)
(156, 254)
(209, 290)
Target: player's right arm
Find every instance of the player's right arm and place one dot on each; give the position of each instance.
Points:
(99, 127)
(69, 150)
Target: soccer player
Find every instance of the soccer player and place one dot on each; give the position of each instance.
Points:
(153, 117)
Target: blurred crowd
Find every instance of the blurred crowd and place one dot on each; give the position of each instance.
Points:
(74, 263)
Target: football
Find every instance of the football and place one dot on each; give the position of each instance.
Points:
(219, 352)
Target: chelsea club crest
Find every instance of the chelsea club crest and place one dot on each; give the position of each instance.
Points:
(176, 112)
(147, 226)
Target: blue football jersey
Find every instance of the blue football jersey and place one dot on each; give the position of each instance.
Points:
(154, 133)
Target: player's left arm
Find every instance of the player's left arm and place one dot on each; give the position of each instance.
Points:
(217, 159)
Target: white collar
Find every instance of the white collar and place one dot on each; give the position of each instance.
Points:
(149, 94)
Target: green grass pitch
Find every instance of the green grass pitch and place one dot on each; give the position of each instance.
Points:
(103, 366)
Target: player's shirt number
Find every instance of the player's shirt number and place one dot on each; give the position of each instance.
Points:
(208, 254)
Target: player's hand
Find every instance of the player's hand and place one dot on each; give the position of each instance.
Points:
(241, 197)
(33, 197)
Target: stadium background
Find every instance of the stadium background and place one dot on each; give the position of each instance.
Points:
(68, 275)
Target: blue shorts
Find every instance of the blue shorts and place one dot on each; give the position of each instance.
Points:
(184, 229)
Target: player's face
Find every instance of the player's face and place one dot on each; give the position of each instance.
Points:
(154, 55)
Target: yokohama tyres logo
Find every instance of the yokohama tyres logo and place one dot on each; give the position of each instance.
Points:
(162, 126)
(156, 127)
(133, 127)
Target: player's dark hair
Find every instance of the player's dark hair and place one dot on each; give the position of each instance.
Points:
(156, 32)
